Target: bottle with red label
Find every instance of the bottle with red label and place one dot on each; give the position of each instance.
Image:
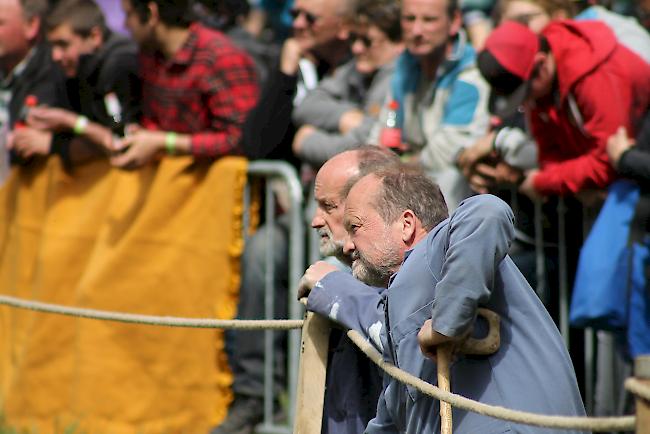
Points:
(391, 134)
(30, 102)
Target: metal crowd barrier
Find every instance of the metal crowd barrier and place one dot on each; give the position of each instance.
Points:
(543, 286)
(279, 170)
(591, 347)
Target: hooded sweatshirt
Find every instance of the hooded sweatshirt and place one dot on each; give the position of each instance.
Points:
(600, 85)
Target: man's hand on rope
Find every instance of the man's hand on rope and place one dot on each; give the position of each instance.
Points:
(314, 273)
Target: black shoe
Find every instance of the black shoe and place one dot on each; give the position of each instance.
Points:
(243, 416)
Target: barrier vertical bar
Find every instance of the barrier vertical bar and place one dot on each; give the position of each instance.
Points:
(642, 373)
(563, 271)
(269, 303)
(246, 218)
(590, 339)
(590, 369)
(296, 269)
(540, 255)
(285, 172)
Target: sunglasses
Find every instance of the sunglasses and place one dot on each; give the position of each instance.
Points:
(364, 39)
(311, 18)
(525, 19)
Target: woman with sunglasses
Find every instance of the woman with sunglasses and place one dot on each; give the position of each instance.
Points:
(340, 112)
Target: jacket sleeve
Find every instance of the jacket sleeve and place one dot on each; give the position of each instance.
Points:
(635, 162)
(465, 118)
(591, 169)
(323, 106)
(351, 303)
(516, 147)
(231, 93)
(478, 237)
(45, 80)
(320, 145)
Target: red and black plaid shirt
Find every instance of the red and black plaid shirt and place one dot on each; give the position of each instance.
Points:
(205, 90)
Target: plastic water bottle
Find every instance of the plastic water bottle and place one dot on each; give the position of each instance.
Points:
(391, 133)
(30, 102)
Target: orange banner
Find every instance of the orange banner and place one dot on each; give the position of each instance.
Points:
(163, 240)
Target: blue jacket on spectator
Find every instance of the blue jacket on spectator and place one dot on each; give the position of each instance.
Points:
(439, 118)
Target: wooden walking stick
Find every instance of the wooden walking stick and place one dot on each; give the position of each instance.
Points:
(485, 346)
(642, 373)
(443, 356)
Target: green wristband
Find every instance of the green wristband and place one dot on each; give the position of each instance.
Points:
(170, 142)
(80, 125)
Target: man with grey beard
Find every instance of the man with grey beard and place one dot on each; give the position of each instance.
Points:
(353, 383)
(440, 269)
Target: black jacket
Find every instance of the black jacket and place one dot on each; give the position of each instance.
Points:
(111, 70)
(635, 162)
(43, 79)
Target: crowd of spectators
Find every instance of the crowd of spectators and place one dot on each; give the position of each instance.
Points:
(531, 100)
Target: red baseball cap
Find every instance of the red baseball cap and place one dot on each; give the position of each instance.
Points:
(507, 62)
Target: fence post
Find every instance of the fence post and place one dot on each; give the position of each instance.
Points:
(281, 170)
(642, 373)
(311, 375)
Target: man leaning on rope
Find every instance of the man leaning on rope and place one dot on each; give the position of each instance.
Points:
(439, 271)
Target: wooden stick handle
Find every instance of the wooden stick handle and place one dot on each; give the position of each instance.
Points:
(443, 355)
(489, 344)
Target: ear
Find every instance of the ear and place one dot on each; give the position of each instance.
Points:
(96, 37)
(560, 14)
(345, 29)
(154, 13)
(33, 28)
(456, 23)
(541, 65)
(409, 223)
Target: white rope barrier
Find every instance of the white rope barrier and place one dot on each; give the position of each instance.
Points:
(168, 321)
(597, 424)
(638, 388)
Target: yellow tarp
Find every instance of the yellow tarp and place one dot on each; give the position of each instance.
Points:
(163, 240)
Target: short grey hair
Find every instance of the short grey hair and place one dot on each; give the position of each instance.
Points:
(408, 187)
(371, 159)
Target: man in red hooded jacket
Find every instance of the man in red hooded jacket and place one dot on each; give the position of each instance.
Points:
(577, 85)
